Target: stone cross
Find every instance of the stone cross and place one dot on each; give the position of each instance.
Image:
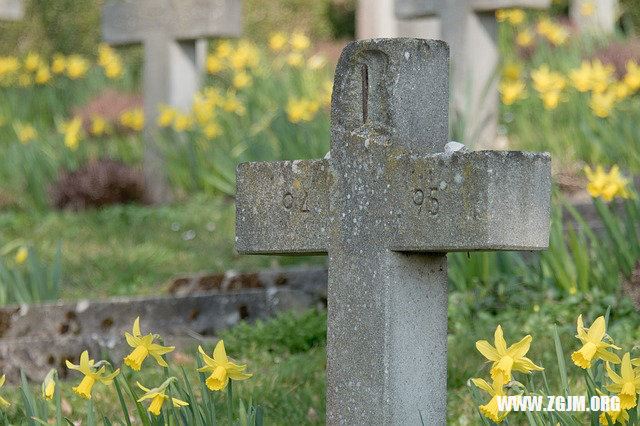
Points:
(11, 10)
(594, 15)
(387, 204)
(470, 28)
(173, 33)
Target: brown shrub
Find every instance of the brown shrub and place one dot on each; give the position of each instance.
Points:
(97, 184)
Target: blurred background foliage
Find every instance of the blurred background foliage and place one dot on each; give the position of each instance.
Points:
(49, 26)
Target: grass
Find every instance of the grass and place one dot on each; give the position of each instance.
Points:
(123, 250)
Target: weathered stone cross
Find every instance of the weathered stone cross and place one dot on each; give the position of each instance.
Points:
(470, 28)
(174, 34)
(11, 10)
(386, 206)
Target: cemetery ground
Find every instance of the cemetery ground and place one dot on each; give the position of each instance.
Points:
(270, 102)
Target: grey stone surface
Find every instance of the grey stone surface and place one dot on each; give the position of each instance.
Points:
(11, 10)
(396, 203)
(40, 337)
(173, 34)
(603, 18)
(470, 28)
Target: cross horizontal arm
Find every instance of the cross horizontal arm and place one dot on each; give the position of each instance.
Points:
(132, 21)
(483, 200)
(282, 207)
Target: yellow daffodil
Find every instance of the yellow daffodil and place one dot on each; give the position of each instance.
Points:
(602, 103)
(32, 62)
(232, 104)
(158, 397)
(581, 77)
(587, 8)
(25, 80)
(72, 130)
(626, 385)
(593, 347)
(557, 35)
(25, 132)
(166, 114)
(77, 67)
(133, 119)
(512, 91)
(327, 91)
(221, 368)
(299, 41)
(606, 185)
(59, 64)
(277, 41)
(502, 15)
(551, 99)
(9, 65)
(211, 130)
(99, 126)
(621, 90)
(516, 17)
(507, 359)
(545, 80)
(87, 368)
(110, 61)
(295, 59)
(49, 385)
(182, 122)
(214, 64)
(632, 77)
(21, 255)
(512, 71)
(245, 56)
(224, 49)
(524, 38)
(43, 76)
(3, 402)
(301, 110)
(490, 410)
(601, 76)
(143, 347)
(241, 80)
(620, 416)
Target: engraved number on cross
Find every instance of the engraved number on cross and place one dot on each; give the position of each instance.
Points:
(432, 198)
(288, 201)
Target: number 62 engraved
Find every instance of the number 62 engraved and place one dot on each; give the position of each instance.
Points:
(289, 201)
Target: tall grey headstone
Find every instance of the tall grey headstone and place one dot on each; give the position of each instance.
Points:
(387, 204)
(173, 33)
(470, 28)
(11, 10)
(594, 15)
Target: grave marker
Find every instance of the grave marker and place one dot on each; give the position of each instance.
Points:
(470, 28)
(173, 33)
(386, 206)
(11, 10)
(594, 15)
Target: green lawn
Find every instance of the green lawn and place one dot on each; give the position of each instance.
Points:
(123, 250)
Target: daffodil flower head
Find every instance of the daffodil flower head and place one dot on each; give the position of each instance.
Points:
(490, 409)
(3, 402)
(627, 384)
(593, 347)
(507, 359)
(158, 397)
(221, 367)
(93, 372)
(143, 346)
(621, 415)
(49, 385)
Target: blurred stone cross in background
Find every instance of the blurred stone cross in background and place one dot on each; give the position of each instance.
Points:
(11, 10)
(173, 33)
(470, 28)
(387, 204)
(594, 15)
